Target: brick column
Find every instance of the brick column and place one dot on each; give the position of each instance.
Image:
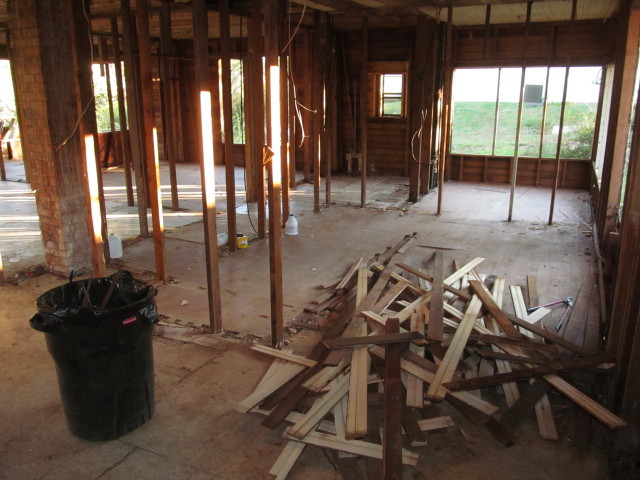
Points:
(44, 51)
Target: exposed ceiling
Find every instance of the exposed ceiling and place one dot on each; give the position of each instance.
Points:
(348, 14)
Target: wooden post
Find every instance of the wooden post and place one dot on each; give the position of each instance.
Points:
(331, 122)
(628, 33)
(122, 113)
(307, 119)
(429, 95)
(112, 118)
(205, 151)
(137, 149)
(544, 118)
(496, 114)
(3, 173)
(364, 113)
(514, 169)
(168, 127)
(95, 217)
(227, 116)
(316, 96)
(392, 441)
(285, 140)
(514, 174)
(292, 121)
(257, 112)
(149, 134)
(446, 104)
(416, 106)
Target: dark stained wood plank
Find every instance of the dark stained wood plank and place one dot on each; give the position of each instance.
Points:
(364, 115)
(495, 311)
(459, 293)
(383, 339)
(435, 328)
(524, 344)
(525, 404)
(392, 438)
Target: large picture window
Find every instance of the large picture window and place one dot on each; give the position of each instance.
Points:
(485, 111)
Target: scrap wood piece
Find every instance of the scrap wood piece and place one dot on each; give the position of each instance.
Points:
(392, 436)
(348, 466)
(285, 373)
(585, 402)
(407, 311)
(340, 417)
(389, 297)
(411, 427)
(450, 361)
(383, 339)
(400, 279)
(415, 386)
(361, 286)
(498, 355)
(527, 400)
(356, 426)
(435, 330)
(458, 274)
(320, 408)
(373, 465)
(553, 367)
(494, 310)
(324, 376)
(514, 342)
(532, 291)
(293, 417)
(449, 288)
(273, 368)
(414, 367)
(345, 280)
(290, 357)
(544, 416)
(357, 447)
(287, 459)
(436, 423)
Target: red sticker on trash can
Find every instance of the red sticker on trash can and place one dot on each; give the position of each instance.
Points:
(129, 320)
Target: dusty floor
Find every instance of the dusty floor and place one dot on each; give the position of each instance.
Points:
(195, 432)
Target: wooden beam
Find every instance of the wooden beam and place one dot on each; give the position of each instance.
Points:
(364, 114)
(149, 135)
(286, 140)
(446, 108)
(317, 107)
(206, 160)
(168, 126)
(392, 436)
(356, 422)
(137, 148)
(227, 116)
(435, 329)
(496, 312)
(381, 339)
(112, 118)
(122, 112)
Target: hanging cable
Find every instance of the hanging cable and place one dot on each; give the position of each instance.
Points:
(86, 108)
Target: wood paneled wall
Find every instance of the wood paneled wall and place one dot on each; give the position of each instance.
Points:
(531, 171)
(590, 43)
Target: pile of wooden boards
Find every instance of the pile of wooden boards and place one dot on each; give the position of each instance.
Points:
(392, 340)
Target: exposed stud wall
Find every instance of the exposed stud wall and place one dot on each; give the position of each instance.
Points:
(41, 40)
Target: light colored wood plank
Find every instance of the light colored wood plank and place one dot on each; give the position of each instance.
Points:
(282, 376)
(320, 408)
(436, 423)
(290, 357)
(287, 459)
(357, 447)
(450, 361)
(415, 390)
(345, 280)
(357, 405)
(451, 279)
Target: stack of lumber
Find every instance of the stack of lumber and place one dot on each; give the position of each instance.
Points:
(392, 343)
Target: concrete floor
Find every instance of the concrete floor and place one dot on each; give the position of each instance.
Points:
(195, 432)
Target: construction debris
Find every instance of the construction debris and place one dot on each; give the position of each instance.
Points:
(390, 342)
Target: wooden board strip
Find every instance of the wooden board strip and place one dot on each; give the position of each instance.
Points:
(285, 373)
(421, 275)
(522, 344)
(383, 339)
(389, 297)
(435, 330)
(324, 376)
(415, 386)
(345, 280)
(320, 408)
(290, 357)
(436, 423)
(392, 436)
(523, 405)
(494, 310)
(357, 405)
(498, 355)
(357, 447)
(532, 290)
(451, 279)
(588, 404)
(526, 373)
(287, 459)
(449, 363)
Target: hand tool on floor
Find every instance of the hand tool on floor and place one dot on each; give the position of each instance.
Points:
(568, 301)
(566, 314)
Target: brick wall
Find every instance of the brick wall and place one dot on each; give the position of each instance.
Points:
(41, 40)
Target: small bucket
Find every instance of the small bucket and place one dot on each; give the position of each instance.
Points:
(242, 241)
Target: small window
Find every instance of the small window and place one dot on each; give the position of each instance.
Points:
(391, 95)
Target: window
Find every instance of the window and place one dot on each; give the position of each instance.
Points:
(237, 100)
(390, 95)
(485, 111)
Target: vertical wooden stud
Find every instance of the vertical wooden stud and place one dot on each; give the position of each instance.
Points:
(227, 116)
(446, 103)
(203, 102)
(392, 438)
(364, 114)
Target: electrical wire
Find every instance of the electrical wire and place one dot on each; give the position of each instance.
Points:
(86, 108)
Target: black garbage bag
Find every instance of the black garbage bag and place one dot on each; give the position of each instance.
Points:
(99, 333)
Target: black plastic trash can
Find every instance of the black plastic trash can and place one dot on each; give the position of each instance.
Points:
(102, 351)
